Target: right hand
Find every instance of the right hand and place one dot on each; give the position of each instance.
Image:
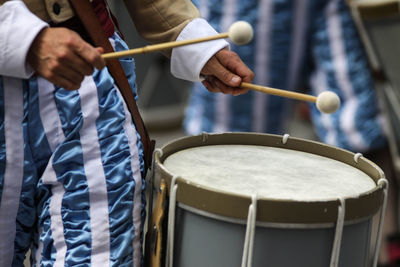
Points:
(62, 57)
(224, 72)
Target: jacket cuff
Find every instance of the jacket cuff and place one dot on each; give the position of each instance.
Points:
(18, 28)
(187, 61)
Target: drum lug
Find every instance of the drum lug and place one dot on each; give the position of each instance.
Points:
(154, 239)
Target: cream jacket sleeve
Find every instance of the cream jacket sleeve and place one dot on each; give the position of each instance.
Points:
(168, 20)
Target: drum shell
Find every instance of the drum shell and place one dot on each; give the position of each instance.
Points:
(202, 240)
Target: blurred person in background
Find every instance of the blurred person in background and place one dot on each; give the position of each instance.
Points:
(299, 44)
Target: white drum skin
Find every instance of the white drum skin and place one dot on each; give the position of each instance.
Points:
(270, 172)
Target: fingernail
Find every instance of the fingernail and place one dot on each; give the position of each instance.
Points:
(235, 79)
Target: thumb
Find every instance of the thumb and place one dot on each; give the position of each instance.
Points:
(228, 77)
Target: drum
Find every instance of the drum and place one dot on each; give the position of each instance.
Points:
(246, 199)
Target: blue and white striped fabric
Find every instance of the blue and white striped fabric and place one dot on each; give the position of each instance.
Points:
(297, 44)
(70, 173)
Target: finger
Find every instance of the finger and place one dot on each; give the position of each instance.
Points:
(212, 86)
(232, 61)
(63, 82)
(91, 55)
(70, 74)
(214, 67)
(209, 87)
(239, 91)
(66, 83)
(100, 62)
(79, 65)
(218, 86)
(222, 87)
(62, 75)
(74, 61)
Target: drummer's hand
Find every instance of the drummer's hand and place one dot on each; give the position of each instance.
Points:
(224, 72)
(63, 57)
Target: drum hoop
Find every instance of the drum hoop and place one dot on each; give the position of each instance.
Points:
(272, 210)
(268, 224)
(374, 10)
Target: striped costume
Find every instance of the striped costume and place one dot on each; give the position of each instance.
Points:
(298, 44)
(75, 168)
(71, 162)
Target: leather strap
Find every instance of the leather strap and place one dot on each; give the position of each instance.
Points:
(156, 235)
(84, 11)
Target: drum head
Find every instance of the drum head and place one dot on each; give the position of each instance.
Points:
(297, 181)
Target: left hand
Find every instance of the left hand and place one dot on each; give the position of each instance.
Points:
(224, 72)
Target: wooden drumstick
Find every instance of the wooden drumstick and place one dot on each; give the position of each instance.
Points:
(240, 33)
(279, 92)
(327, 102)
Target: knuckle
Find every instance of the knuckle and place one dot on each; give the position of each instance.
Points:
(70, 40)
(252, 75)
(68, 86)
(93, 59)
(225, 90)
(62, 54)
(88, 70)
(226, 76)
(97, 60)
(55, 65)
(211, 89)
(50, 76)
(91, 56)
(234, 55)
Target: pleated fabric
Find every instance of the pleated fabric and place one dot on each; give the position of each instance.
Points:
(71, 173)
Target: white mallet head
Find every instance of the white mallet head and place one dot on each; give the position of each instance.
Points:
(328, 102)
(241, 32)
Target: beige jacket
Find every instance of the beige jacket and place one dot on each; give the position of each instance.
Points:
(155, 20)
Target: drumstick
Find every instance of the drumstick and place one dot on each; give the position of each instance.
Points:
(240, 33)
(326, 102)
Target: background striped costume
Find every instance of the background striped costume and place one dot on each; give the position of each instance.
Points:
(298, 44)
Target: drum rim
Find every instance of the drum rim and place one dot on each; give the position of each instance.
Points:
(272, 210)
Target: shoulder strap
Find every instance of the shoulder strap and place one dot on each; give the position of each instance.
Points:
(87, 16)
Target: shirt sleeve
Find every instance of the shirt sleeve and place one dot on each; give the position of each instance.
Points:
(18, 29)
(188, 61)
